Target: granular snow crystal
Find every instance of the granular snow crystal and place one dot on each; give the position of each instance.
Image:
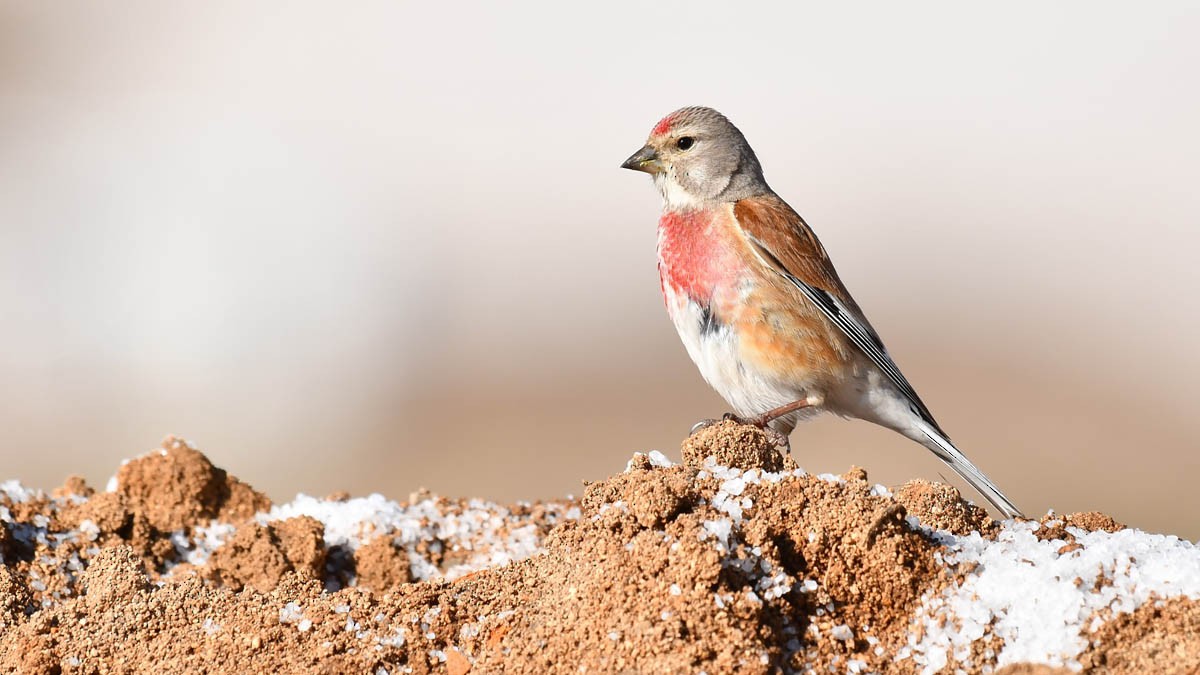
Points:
(1043, 597)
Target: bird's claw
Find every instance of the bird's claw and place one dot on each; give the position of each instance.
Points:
(778, 439)
(727, 417)
(775, 437)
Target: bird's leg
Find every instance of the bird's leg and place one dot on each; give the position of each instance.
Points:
(773, 414)
(763, 422)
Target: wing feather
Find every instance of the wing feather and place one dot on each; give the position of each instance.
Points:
(785, 244)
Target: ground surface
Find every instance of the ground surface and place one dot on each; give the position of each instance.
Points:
(732, 561)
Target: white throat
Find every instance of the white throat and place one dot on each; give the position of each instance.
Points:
(675, 198)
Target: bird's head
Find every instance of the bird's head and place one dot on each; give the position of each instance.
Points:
(698, 158)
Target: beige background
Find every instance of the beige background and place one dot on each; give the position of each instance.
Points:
(376, 246)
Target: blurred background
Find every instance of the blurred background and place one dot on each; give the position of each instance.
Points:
(382, 245)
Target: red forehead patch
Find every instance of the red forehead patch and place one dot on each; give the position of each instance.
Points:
(663, 126)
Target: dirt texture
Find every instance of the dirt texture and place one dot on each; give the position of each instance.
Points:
(732, 561)
(1161, 637)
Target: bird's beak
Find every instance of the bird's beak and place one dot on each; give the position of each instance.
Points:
(645, 159)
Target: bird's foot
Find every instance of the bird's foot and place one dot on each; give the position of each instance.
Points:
(703, 424)
(778, 439)
(727, 417)
(762, 422)
(731, 417)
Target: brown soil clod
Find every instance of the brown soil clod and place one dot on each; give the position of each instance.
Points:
(734, 445)
(1159, 637)
(380, 566)
(177, 487)
(260, 555)
(942, 507)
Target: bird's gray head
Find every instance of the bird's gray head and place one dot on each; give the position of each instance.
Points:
(698, 158)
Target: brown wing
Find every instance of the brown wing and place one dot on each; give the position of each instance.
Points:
(776, 226)
(787, 245)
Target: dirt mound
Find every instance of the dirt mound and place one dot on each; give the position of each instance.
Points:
(733, 561)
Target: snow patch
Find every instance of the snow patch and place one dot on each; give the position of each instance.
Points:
(1042, 602)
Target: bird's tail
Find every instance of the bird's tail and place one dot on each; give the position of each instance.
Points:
(945, 450)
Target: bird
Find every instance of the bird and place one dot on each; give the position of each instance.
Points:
(758, 304)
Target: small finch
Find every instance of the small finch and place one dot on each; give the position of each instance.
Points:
(758, 304)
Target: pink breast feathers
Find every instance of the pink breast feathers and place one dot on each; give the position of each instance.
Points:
(696, 255)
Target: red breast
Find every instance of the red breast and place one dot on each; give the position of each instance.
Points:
(697, 253)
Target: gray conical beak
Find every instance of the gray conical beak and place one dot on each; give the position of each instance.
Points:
(645, 159)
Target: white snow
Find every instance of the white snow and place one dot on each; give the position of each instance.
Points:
(1041, 602)
(89, 529)
(290, 613)
(656, 459)
(493, 534)
(396, 639)
(204, 540)
(660, 460)
(734, 486)
(18, 493)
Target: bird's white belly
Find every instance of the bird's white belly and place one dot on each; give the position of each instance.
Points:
(715, 351)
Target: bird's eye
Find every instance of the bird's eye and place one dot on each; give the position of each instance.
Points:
(685, 142)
